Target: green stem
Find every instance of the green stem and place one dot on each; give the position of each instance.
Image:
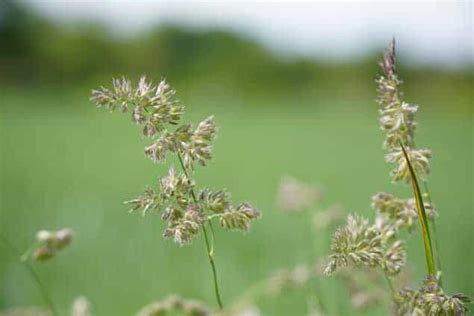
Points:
(435, 233)
(209, 246)
(394, 295)
(33, 275)
(210, 254)
(420, 207)
(389, 283)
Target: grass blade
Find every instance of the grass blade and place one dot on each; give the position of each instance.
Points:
(420, 208)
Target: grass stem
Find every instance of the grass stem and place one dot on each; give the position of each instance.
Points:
(388, 278)
(209, 245)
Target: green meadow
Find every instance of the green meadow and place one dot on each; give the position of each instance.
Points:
(65, 163)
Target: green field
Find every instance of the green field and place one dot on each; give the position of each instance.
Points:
(66, 163)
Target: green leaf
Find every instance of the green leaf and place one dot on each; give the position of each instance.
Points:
(420, 208)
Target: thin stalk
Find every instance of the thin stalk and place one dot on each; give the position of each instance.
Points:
(420, 207)
(209, 246)
(389, 283)
(33, 274)
(393, 292)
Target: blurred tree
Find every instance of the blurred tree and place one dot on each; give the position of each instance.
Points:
(15, 37)
(35, 51)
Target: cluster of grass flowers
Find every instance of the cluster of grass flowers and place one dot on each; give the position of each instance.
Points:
(372, 245)
(79, 307)
(174, 304)
(365, 286)
(296, 196)
(49, 243)
(186, 209)
(397, 120)
(402, 212)
(379, 244)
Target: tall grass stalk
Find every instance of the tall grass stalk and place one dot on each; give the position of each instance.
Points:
(209, 246)
(380, 245)
(187, 211)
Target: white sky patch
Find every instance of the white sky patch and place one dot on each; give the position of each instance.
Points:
(427, 32)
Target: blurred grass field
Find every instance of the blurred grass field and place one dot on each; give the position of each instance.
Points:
(66, 163)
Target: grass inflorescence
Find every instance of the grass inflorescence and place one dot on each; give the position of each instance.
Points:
(380, 245)
(186, 210)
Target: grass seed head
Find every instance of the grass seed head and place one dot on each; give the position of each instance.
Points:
(50, 242)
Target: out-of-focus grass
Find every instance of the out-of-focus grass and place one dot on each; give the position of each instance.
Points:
(65, 163)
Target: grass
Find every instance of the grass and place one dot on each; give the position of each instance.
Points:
(64, 163)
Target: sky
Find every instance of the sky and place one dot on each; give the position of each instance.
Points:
(427, 32)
